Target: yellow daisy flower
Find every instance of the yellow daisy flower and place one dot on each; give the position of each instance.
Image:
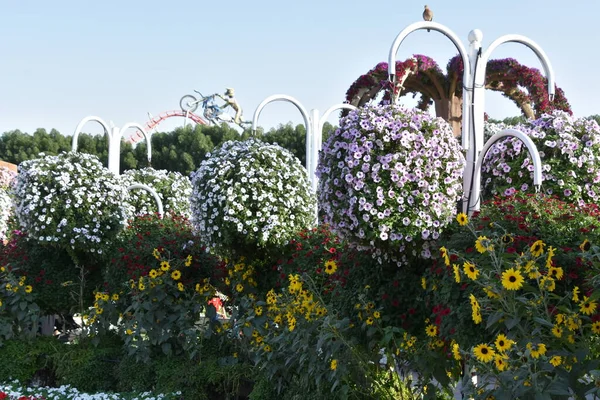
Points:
(470, 270)
(512, 279)
(330, 267)
(333, 365)
(484, 353)
(503, 344)
(462, 219)
(431, 330)
(537, 248)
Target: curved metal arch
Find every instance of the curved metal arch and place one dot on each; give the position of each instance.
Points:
(300, 107)
(539, 52)
(85, 121)
(327, 113)
(140, 128)
(533, 152)
(152, 192)
(467, 77)
(280, 97)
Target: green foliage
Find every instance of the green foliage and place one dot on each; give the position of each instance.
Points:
(19, 315)
(133, 251)
(55, 280)
(89, 367)
(21, 359)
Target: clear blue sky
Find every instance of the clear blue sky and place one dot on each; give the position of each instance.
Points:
(119, 60)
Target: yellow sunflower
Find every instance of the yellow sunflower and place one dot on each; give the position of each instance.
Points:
(500, 361)
(456, 351)
(431, 330)
(596, 327)
(585, 245)
(506, 239)
(330, 267)
(503, 344)
(456, 272)
(512, 279)
(536, 350)
(537, 248)
(557, 331)
(165, 266)
(444, 254)
(555, 361)
(470, 270)
(484, 353)
(258, 310)
(333, 365)
(556, 273)
(482, 244)
(28, 289)
(576, 294)
(462, 219)
(239, 287)
(587, 306)
(153, 273)
(175, 275)
(180, 286)
(547, 283)
(156, 254)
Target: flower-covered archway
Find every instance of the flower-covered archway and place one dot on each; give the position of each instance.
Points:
(421, 75)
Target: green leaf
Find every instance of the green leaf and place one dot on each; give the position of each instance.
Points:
(511, 323)
(494, 318)
(542, 321)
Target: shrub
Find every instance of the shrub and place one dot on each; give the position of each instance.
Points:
(390, 176)
(6, 207)
(510, 299)
(173, 188)
(569, 148)
(24, 360)
(69, 200)
(19, 315)
(250, 195)
(133, 253)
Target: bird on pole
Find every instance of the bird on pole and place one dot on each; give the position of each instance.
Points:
(428, 15)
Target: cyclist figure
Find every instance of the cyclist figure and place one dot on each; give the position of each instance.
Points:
(232, 102)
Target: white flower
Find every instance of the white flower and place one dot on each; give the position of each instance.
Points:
(261, 189)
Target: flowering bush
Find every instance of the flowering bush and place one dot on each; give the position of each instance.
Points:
(173, 188)
(389, 176)
(314, 331)
(133, 252)
(51, 272)
(570, 151)
(160, 311)
(509, 298)
(7, 177)
(249, 195)
(5, 213)
(19, 314)
(69, 200)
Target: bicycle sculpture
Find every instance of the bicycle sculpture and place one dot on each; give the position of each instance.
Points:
(212, 111)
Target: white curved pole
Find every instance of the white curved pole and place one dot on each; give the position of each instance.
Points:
(541, 55)
(533, 152)
(85, 121)
(152, 192)
(331, 109)
(480, 73)
(140, 128)
(467, 78)
(300, 107)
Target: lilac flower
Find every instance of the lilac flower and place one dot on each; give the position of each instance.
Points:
(410, 169)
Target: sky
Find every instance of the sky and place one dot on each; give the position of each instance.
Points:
(63, 60)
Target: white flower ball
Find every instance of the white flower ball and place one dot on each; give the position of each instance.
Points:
(250, 194)
(69, 200)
